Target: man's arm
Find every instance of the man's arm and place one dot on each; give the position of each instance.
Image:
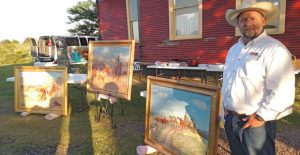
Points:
(280, 85)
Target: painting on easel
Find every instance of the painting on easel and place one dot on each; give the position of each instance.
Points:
(111, 67)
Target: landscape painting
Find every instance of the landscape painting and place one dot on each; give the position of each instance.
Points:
(111, 67)
(41, 89)
(181, 118)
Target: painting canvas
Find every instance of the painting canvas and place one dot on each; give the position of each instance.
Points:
(111, 67)
(181, 117)
(41, 89)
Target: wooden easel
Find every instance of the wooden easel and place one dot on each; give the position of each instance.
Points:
(110, 100)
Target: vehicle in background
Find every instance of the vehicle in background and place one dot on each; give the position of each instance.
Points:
(53, 48)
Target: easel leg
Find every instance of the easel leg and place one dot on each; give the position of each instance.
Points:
(122, 107)
(111, 117)
(98, 112)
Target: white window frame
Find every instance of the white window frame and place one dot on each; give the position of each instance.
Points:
(130, 23)
(172, 23)
(281, 18)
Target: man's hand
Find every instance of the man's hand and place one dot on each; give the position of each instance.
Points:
(252, 121)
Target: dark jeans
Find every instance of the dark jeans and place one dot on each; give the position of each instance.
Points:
(249, 141)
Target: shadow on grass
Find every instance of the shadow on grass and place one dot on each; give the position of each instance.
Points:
(129, 131)
(26, 135)
(78, 127)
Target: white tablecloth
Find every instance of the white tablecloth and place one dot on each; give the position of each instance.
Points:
(179, 67)
(45, 64)
(72, 78)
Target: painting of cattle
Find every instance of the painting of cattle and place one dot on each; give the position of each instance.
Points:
(41, 89)
(111, 67)
(181, 117)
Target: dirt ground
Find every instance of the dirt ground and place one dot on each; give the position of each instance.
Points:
(287, 141)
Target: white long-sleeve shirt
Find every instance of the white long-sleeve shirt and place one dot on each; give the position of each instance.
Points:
(259, 77)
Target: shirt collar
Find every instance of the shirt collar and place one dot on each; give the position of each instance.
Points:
(252, 42)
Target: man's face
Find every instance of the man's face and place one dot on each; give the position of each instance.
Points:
(251, 24)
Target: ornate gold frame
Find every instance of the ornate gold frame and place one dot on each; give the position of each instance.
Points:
(42, 89)
(113, 86)
(197, 89)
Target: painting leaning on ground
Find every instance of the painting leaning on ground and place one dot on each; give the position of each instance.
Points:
(40, 90)
(179, 120)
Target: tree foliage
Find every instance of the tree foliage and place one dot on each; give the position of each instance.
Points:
(12, 52)
(84, 17)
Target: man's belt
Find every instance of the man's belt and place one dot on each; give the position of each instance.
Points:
(237, 114)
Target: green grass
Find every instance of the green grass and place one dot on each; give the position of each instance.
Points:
(78, 133)
(293, 119)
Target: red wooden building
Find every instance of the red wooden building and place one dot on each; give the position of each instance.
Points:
(163, 27)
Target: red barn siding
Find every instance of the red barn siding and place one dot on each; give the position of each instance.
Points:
(113, 20)
(217, 35)
(211, 48)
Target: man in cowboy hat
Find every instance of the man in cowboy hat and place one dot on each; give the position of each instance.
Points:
(258, 81)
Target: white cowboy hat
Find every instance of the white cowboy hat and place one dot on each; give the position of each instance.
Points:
(268, 9)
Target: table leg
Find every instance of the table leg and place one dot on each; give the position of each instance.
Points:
(205, 74)
(82, 90)
(112, 124)
(84, 104)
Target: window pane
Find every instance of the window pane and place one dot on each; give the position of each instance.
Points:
(135, 30)
(185, 3)
(33, 42)
(187, 21)
(133, 10)
(91, 39)
(83, 41)
(72, 42)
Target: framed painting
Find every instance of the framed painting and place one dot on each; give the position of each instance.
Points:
(277, 26)
(41, 89)
(110, 67)
(181, 117)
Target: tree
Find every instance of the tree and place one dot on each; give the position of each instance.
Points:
(84, 16)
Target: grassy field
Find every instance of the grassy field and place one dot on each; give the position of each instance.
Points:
(79, 133)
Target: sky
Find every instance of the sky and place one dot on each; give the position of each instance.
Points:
(33, 18)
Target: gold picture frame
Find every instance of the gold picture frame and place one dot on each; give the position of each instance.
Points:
(181, 117)
(41, 89)
(278, 25)
(110, 67)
